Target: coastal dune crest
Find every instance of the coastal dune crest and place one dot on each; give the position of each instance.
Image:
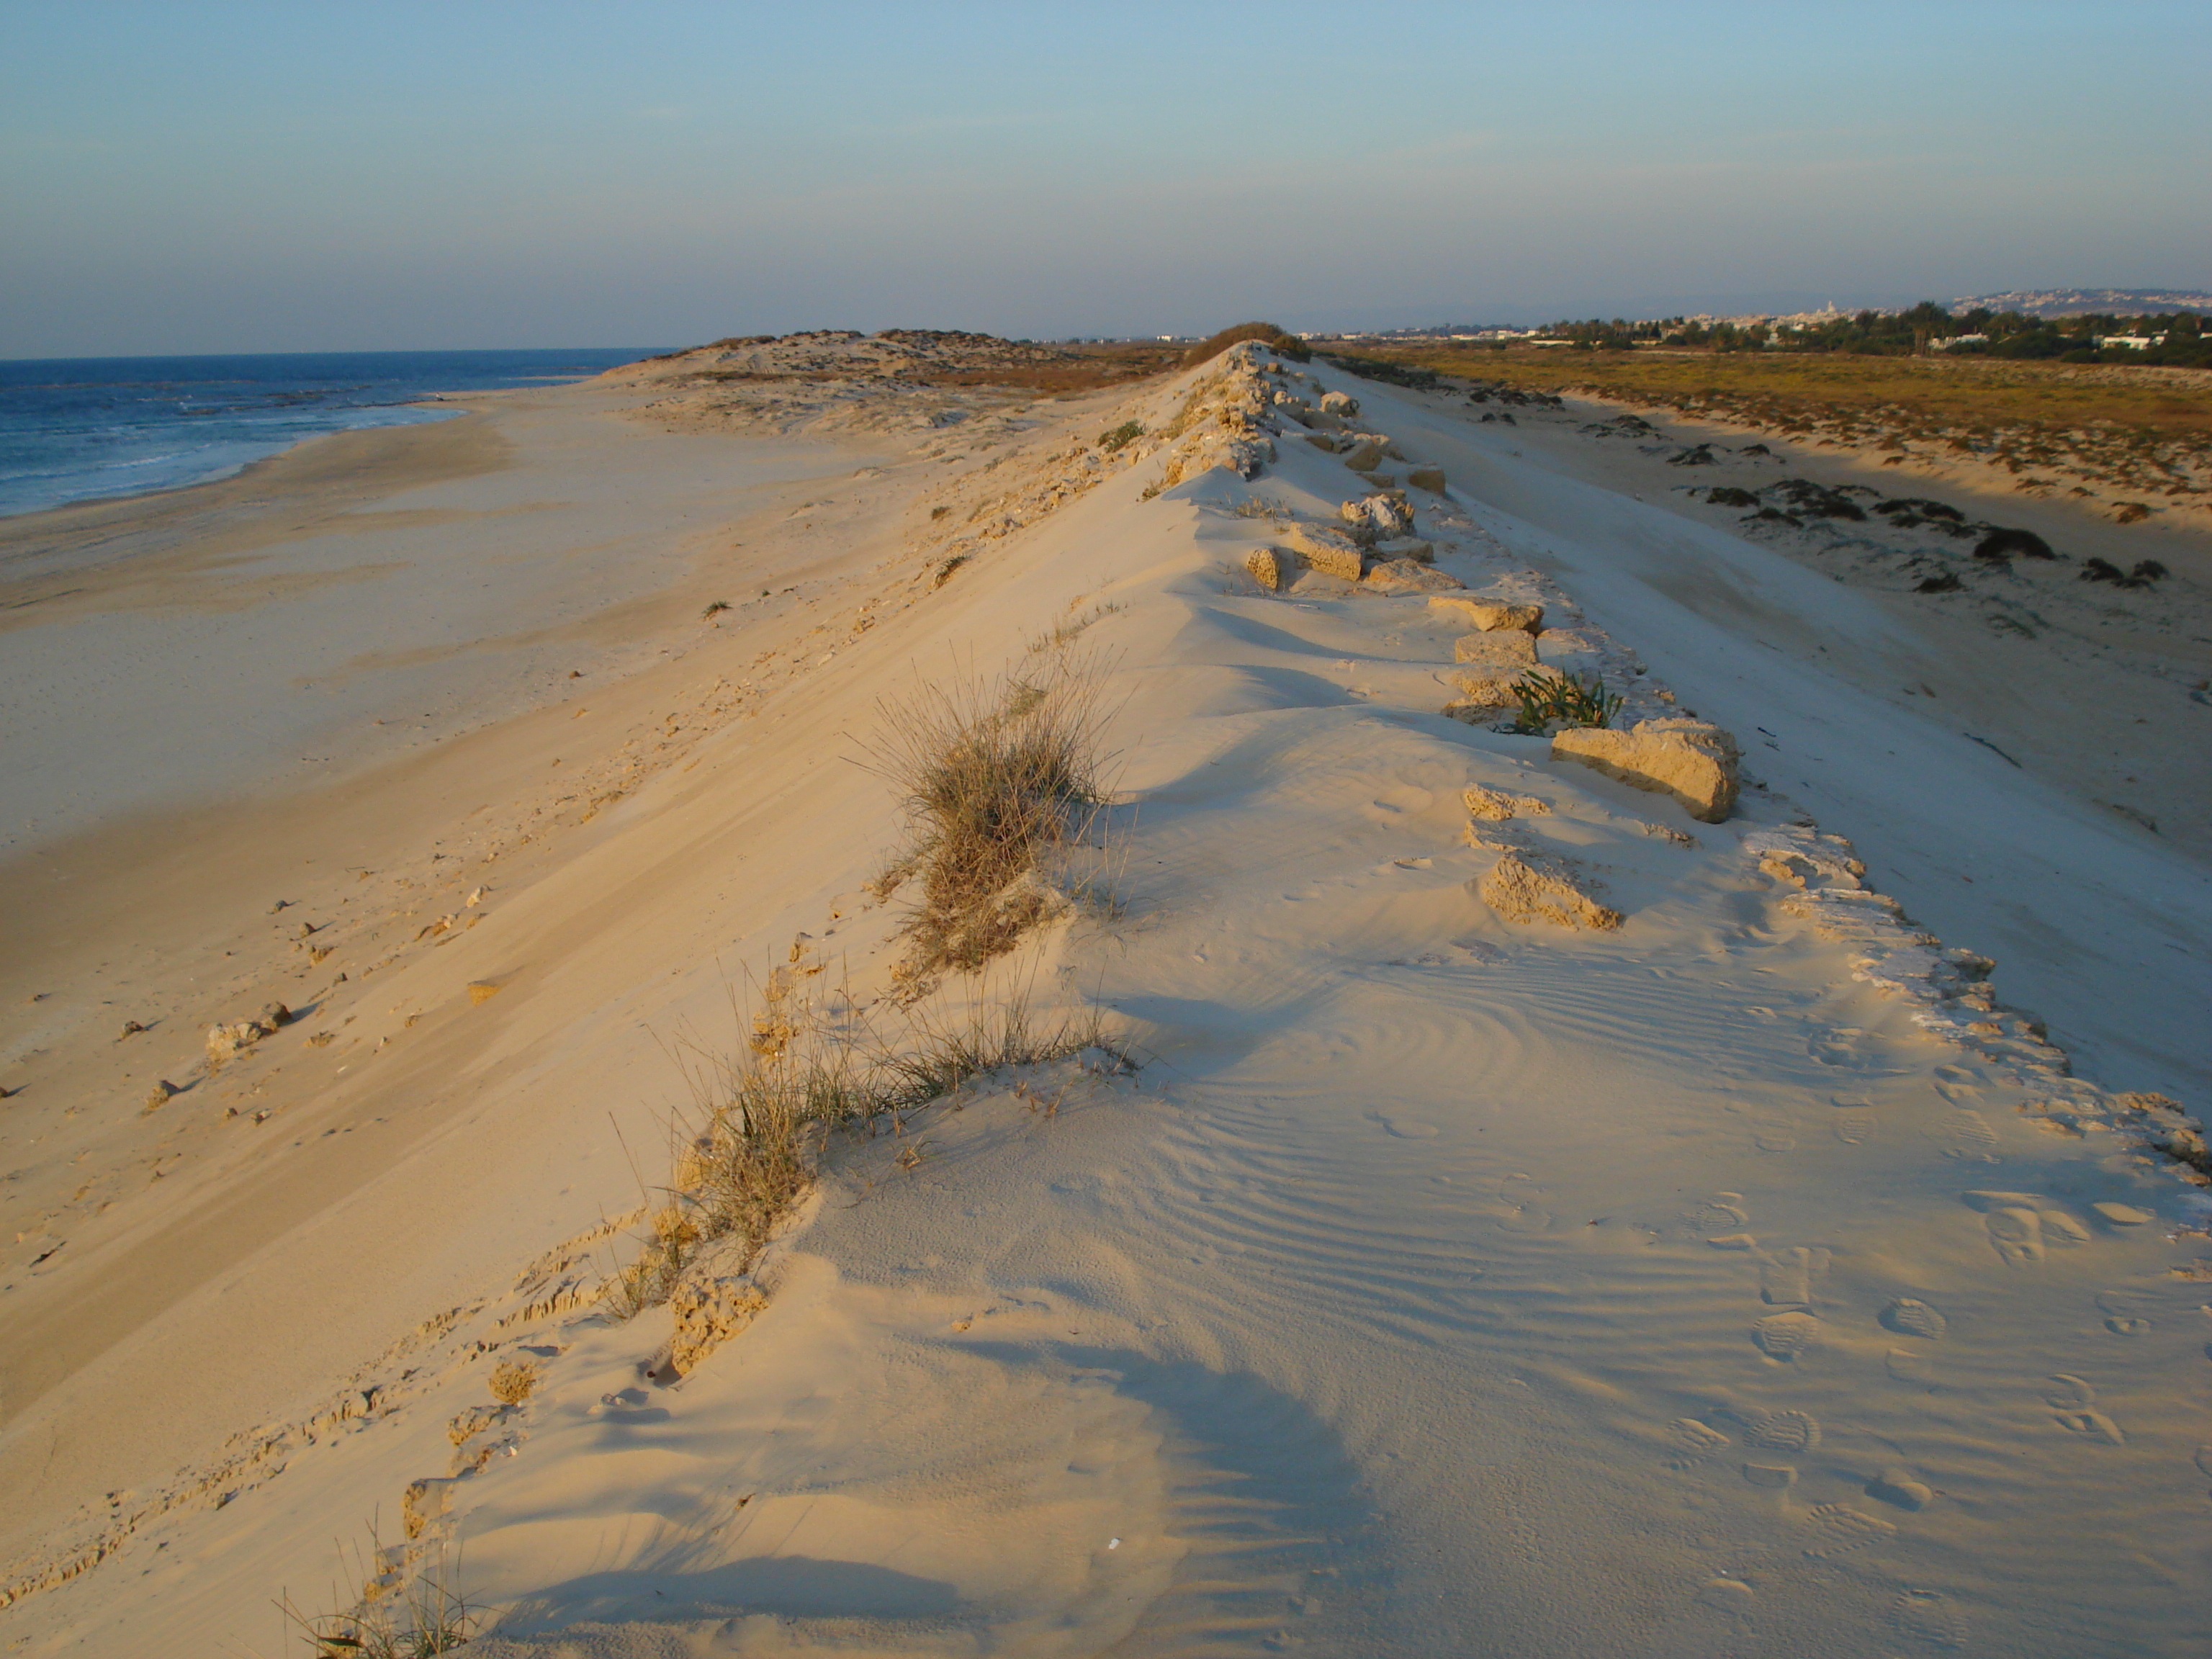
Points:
(1517, 1179)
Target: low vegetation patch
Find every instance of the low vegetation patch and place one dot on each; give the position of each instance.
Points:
(2142, 428)
(1121, 436)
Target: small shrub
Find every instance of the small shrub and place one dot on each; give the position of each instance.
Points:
(1281, 340)
(511, 1383)
(1120, 437)
(2013, 543)
(938, 512)
(944, 572)
(1728, 495)
(1570, 699)
(1948, 582)
(714, 610)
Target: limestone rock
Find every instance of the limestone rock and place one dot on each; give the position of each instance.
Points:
(1492, 616)
(1497, 805)
(708, 1313)
(1384, 516)
(1342, 405)
(1364, 456)
(226, 1042)
(483, 990)
(423, 1502)
(1527, 887)
(1492, 685)
(1409, 547)
(1321, 440)
(1501, 649)
(1273, 568)
(1431, 478)
(158, 1095)
(1693, 760)
(1329, 550)
(1407, 576)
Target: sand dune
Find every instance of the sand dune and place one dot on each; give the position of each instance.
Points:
(1752, 1277)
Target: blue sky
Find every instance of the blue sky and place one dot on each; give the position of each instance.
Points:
(214, 176)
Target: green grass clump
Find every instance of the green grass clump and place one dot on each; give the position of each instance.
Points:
(1570, 699)
(1120, 436)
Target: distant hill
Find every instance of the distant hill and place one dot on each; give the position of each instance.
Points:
(2074, 301)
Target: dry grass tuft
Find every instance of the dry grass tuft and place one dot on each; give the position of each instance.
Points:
(429, 1618)
(994, 776)
(766, 1119)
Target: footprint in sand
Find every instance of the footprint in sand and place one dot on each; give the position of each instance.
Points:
(1524, 1213)
(1898, 1488)
(2124, 1314)
(1784, 1336)
(1774, 1137)
(1409, 1128)
(1785, 1277)
(1909, 1316)
(1721, 1213)
(1847, 1049)
(2016, 1235)
(2204, 1460)
(1727, 1595)
(1853, 1125)
(1771, 1477)
(2072, 1400)
(2023, 1225)
(1838, 1529)
(1928, 1619)
(1778, 1431)
(1966, 1134)
(1693, 1442)
(1905, 1366)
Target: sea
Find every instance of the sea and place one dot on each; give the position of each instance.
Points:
(77, 429)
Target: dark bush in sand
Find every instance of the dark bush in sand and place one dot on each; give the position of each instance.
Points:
(2013, 545)
(1285, 343)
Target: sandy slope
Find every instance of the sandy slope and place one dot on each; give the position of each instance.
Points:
(1437, 1285)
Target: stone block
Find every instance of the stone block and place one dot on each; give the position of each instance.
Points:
(708, 1313)
(1527, 887)
(1328, 549)
(1490, 615)
(1693, 760)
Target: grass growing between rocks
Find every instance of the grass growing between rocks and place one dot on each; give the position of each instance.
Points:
(1572, 700)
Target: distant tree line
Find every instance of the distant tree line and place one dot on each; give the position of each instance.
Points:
(1926, 327)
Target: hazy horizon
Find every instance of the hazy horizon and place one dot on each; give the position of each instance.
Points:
(256, 178)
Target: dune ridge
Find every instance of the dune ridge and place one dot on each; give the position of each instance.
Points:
(1748, 1274)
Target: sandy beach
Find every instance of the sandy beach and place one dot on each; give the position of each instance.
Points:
(1758, 1273)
